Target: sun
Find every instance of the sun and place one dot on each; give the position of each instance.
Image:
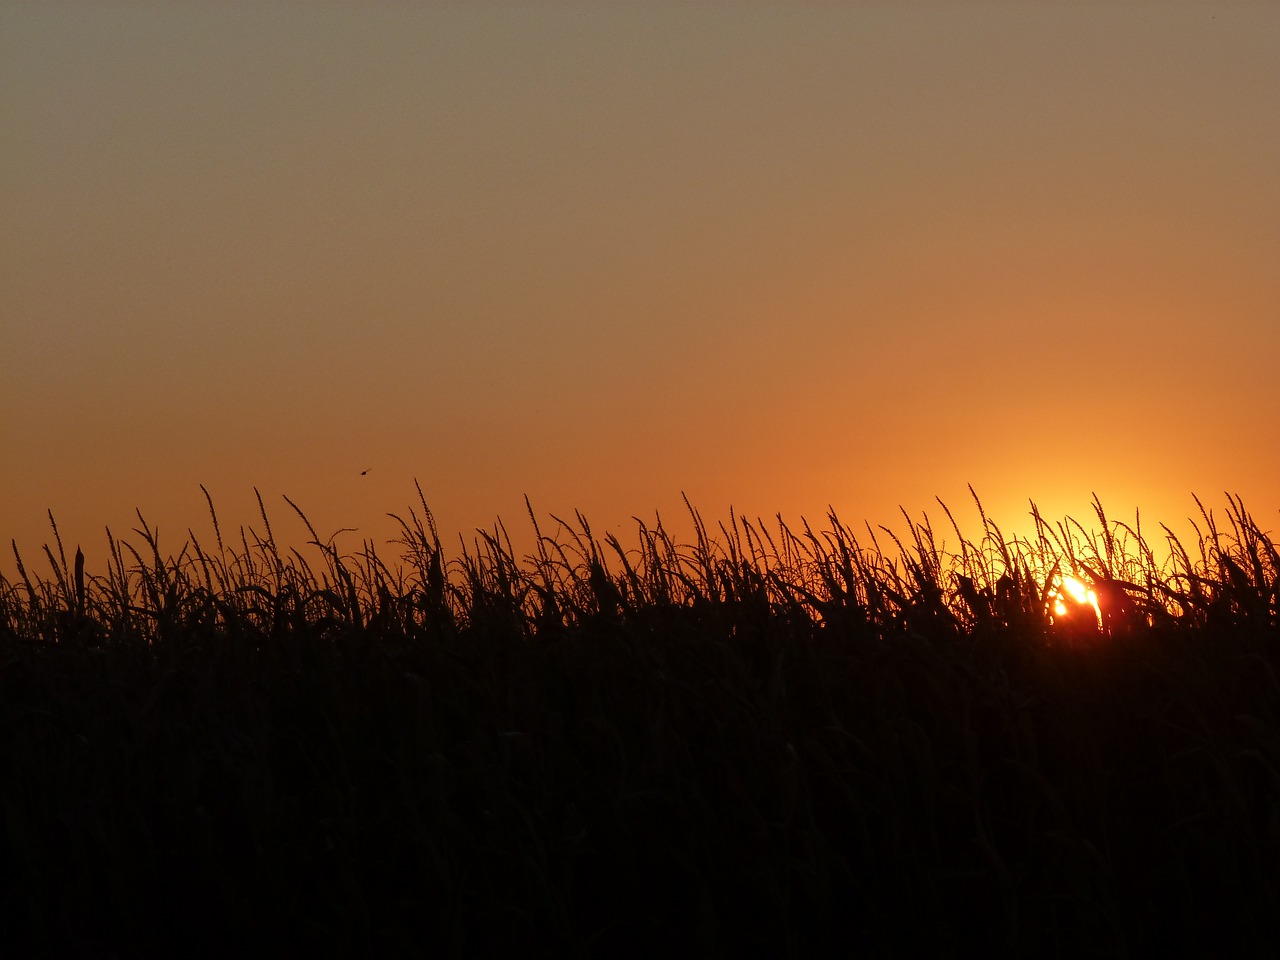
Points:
(1071, 593)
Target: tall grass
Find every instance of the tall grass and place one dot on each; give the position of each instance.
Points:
(771, 737)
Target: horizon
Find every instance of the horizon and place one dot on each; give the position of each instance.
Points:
(1140, 541)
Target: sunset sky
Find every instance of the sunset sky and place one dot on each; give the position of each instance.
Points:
(775, 256)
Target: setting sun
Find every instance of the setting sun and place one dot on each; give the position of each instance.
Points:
(1071, 589)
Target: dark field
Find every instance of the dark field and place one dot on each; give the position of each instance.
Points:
(766, 742)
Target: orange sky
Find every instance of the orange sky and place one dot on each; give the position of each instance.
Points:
(776, 256)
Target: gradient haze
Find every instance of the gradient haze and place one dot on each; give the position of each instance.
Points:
(774, 256)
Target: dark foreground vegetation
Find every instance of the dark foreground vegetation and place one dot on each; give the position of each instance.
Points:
(767, 742)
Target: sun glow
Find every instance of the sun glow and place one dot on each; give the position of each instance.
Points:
(1071, 593)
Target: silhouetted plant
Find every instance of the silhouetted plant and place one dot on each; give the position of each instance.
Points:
(772, 738)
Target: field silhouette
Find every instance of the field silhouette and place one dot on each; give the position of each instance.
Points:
(765, 741)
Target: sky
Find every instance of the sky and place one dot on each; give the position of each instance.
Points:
(778, 257)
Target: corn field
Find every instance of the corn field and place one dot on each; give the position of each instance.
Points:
(769, 740)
